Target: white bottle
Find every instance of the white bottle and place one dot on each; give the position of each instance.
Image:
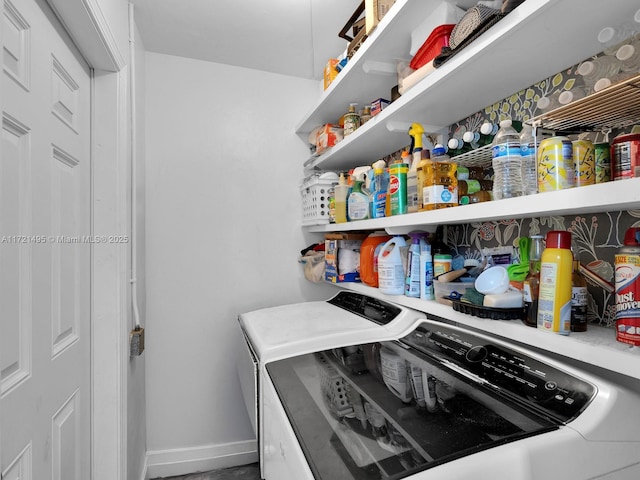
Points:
(528, 146)
(391, 274)
(426, 274)
(506, 162)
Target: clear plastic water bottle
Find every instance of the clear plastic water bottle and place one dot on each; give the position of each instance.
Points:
(506, 162)
(528, 157)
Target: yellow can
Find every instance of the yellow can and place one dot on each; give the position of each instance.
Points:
(584, 159)
(555, 164)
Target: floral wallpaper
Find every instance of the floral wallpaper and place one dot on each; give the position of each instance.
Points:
(595, 238)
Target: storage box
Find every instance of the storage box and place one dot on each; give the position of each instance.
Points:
(342, 257)
(374, 11)
(432, 46)
(378, 105)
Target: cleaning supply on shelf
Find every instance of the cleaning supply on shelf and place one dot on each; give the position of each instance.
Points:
(413, 198)
(379, 188)
(441, 263)
(398, 187)
(341, 192)
(351, 120)
(554, 304)
(412, 278)
(518, 271)
(506, 162)
(358, 202)
(441, 184)
(369, 257)
(426, 268)
(391, 275)
(627, 280)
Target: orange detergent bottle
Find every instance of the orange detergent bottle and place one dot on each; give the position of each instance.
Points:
(369, 257)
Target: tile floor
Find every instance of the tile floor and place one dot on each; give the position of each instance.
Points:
(246, 472)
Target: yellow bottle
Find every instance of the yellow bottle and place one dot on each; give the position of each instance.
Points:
(554, 297)
(440, 181)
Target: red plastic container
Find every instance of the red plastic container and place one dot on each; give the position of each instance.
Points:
(432, 46)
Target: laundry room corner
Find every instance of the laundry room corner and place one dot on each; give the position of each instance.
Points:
(222, 238)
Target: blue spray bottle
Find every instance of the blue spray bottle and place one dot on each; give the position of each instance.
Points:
(412, 279)
(426, 270)
(379, 189)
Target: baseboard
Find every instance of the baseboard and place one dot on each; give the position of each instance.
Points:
(182, 461)
(145, 470)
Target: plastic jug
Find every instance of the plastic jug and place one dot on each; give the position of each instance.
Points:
(369, 259)
(391, 274)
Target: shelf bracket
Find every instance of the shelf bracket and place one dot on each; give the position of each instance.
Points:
(379, 68)
(405, 229)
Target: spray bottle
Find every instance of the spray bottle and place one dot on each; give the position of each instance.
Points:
(358, 201)
(379, 188)
(412, 279)
(413, 196)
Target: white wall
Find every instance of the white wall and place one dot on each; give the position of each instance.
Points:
(223, 237)
(136, 404)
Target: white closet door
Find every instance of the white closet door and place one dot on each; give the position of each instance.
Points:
(45, 188)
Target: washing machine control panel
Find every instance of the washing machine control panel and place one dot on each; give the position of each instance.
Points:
(524, 378)
(377, 311)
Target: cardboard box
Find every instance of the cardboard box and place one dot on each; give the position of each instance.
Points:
(378, 105)
(374, 11)
(327, 137)
(342, 257)
(330, 72)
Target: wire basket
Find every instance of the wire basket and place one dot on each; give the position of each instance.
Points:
(316, 190)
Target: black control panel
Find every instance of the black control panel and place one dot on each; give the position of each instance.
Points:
(528, 379)
(370, 308)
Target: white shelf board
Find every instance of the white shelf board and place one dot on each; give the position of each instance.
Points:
(603, 197)
(390, 41)
(537, 31)
(597, 346)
